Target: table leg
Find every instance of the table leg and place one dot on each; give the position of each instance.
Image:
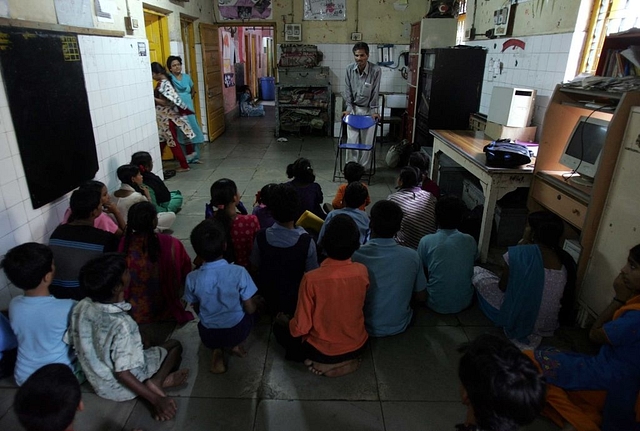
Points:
(490, 198)
(434, 172)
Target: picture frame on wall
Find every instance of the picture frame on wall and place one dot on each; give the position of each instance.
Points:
(325, 10)
(293, 33)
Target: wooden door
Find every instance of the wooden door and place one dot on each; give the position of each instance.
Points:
(189, 61)
(212, 70)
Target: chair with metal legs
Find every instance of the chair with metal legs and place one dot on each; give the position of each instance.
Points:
(361, 123)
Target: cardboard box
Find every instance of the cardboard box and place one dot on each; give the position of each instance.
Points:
(498, 131)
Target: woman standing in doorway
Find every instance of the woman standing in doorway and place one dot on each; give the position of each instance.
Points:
(186, 90)
(168, 115)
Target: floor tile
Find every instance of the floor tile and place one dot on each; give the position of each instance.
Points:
(423, 416)
(419, 365)
(473, 316)
(198, 414)
(288, 380)
(319, 416)
(426, 317)
(6, 401)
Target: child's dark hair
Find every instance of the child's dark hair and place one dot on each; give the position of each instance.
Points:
(420, 160)
(83, 202)
(504, 386)
(341, 237)
(635, 253)
(208, 239)
(142, 160)
(126, 173)
(26, 264)
(158, 68)
(301, 171)
(386, 219)
(450, 212)
(102, 275)
(283, 203)
(265, 193)
(353, 171)
(142, 220)
(48, 399)
(355, 195)
(410, 177)
(223, 192)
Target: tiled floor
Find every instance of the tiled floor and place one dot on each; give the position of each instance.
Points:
(407, 382)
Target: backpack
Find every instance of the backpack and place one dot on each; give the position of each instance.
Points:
(504, 153)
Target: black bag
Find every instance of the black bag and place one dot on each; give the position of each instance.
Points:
(504, 153)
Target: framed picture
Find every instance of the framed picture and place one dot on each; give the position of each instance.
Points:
(325, 10)
(293, 33)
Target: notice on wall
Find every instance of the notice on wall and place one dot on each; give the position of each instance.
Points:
(324, 10)
(105, 10)
(245, 10)
(74, 12)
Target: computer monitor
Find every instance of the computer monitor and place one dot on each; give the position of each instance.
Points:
(582, 152)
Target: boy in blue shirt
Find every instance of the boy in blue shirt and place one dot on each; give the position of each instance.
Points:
(30, 267)
(448, 257)
(355, 195)
(222, 294)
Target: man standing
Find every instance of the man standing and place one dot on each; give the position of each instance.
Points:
(361, 96)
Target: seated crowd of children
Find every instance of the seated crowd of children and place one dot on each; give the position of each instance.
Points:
(109, 272)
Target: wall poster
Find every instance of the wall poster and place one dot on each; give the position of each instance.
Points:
(245, 10)
(324, 10)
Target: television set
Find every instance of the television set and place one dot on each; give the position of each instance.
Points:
(582, 152)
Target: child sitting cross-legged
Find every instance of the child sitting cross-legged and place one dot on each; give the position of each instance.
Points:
(329, 315)
(355, 196)
(109, 346)
(222, 294)
(353, 171)
(38, 320)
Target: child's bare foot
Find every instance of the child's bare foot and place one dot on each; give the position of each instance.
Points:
(176, 378)
(239, 351)
(217, 362)
(333, 370)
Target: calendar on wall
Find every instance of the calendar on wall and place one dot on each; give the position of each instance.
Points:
(325, 10)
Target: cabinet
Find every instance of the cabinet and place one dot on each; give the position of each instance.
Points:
(581, 207)
(449, 90)
(619, 228)
(303, 101)
(610, 59)
(427, 33)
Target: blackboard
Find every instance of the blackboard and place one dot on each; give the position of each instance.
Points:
(44, 83)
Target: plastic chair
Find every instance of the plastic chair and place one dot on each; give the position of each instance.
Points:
(360, 122)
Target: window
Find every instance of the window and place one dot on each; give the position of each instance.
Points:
(608, 17)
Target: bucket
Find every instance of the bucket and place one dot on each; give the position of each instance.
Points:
(267, 88)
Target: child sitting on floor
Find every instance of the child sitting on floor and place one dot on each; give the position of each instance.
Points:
(261, 207)
(304, 182)
(248, 106)
(501, 387)
(109, 346)
(281, 255)
(329, 315)
(222, 295)
(161, 197)
(105, 221)
(240, 229)
(8, 347)
(38, 320)
(353, 171)
(354, 197)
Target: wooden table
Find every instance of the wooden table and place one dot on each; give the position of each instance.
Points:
(465, 148)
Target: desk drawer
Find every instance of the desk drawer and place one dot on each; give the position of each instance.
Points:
(565, 206)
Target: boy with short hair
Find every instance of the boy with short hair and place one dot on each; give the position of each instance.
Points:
(48, 399)
(353, 171)
(395, 274)
(501, 387)
(76, 242)
(355, 196)
(448, 257)
(329, 315)
(40, 342)
(223, 295)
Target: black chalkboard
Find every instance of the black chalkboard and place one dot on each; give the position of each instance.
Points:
(42, 73)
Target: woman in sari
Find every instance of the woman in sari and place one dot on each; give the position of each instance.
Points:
(601, 392)
(186, 90)
(158, 265)
(170, 111)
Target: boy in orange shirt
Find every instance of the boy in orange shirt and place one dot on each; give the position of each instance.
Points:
(329, 315)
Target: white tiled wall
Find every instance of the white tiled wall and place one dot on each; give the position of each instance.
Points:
(120, 92)
(337, 56)
(544, 62)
